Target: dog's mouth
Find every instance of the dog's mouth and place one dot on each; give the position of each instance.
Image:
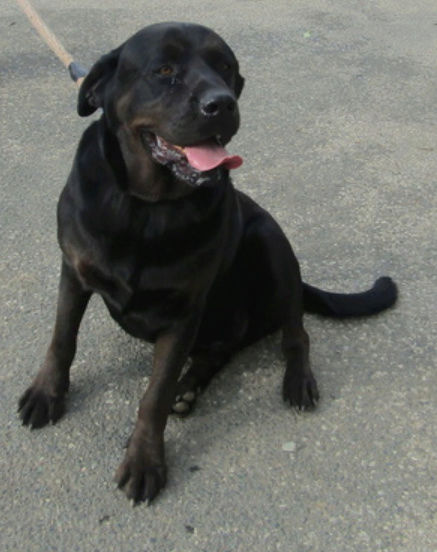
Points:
(189, 163)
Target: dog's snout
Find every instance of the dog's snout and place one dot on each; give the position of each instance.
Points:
(215, 104)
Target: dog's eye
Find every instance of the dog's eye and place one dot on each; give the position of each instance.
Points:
(225, 66)
(166, 71)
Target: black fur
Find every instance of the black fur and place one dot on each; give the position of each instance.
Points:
(184, 261)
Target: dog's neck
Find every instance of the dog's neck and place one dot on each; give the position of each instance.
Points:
(139, 174)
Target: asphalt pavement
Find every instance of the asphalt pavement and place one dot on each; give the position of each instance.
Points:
(339, 139)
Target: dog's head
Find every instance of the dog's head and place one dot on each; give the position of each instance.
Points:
(169, 93)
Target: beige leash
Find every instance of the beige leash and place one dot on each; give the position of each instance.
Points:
(77, 72)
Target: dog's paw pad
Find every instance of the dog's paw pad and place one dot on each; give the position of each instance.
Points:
(189, 396)
(184, 403)
(181, 407)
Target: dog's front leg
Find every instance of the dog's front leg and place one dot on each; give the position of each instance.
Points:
(143, 471)
(43, 402)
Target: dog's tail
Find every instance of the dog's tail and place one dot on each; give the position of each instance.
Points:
(381, 296)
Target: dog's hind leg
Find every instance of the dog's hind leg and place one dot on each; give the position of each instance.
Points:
(278, 303)
(299, 386)
(204, 365)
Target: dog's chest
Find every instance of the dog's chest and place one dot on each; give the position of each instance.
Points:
(150, 264)
(146, 285)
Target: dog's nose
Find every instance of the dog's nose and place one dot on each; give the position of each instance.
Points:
(214, 104)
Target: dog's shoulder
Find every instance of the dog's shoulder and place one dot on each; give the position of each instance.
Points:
(97, 155)
(88, 150)
(249, 208)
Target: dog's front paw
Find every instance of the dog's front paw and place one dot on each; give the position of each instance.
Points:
(300, 390)
(37, 407)
(139, 479)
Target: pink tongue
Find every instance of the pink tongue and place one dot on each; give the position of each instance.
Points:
(209, 155)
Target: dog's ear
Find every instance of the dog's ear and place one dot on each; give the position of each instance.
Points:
(92, 89)
(239, 84)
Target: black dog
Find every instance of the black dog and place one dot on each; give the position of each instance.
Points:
(150, 220)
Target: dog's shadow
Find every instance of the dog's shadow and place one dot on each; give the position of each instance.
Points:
(114, 377)
(118, 379)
